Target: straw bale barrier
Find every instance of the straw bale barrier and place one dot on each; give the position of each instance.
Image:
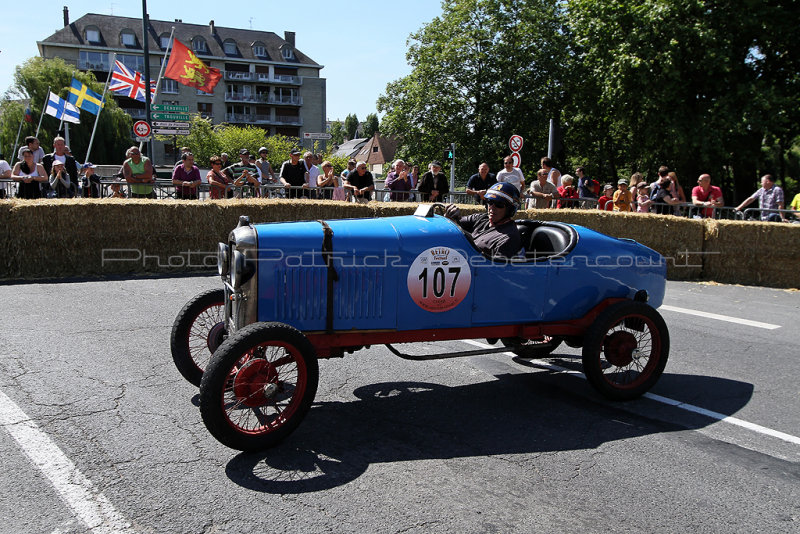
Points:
(96, 237)
(752, 253)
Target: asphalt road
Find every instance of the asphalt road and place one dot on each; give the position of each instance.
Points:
(100, 433)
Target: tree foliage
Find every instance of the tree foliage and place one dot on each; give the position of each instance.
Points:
(337, 133)
(206, 140)
(697, 85)
(31, 82)
(371, 125)
(351, 126)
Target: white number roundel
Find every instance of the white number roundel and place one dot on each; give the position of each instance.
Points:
(439, 279)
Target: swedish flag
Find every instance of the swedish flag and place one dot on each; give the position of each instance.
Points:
(84, 98)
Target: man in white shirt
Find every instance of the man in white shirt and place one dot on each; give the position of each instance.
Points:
(312, 172)
(32, 143)
(511, 174)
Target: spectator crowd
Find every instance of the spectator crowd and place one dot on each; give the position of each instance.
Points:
(57, 174)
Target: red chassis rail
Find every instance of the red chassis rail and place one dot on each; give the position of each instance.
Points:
(332, 344)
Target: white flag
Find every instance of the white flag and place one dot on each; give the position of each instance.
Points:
(61, 109)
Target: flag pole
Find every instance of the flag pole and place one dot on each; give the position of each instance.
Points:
(16, 141)
(41, 115)
(102, 99)
(160, 73)
(147, 97)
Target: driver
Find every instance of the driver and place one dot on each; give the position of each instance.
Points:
(494, 232)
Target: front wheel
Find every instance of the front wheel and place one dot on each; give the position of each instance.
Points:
(625, 350)
(198, 330)
(259, 385)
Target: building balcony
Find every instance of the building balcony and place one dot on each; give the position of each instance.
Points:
(94, 65)
(248, 118)
(238, 76)
(285, 100)
(242, 97)
(288, 120)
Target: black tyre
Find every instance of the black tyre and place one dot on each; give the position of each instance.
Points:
(625, 350)
(198, 330)
(259, 385)
(531, 348)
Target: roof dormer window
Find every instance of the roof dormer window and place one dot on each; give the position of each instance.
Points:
(287, 52)
(230, 48)
(199, 45)
(93, 35)
(127, 38)
(259, 50)
(163, 41)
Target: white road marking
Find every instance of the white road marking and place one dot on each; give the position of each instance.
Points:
(726, 318)
(665, 400)
(88, 504)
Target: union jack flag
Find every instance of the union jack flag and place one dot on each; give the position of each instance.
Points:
(130, 84)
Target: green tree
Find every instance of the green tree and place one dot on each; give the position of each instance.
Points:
(337, 133)
(695, 85)
(351, 126)
(31, 80)
(484, 70)
(371, 125)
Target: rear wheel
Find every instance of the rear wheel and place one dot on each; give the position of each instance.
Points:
(258, 386)
(532, 348)
(625, 350)
(198, 330)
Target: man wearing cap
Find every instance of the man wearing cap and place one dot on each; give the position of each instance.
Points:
(70, 166)
(244, 174)
(433, 186)
(264, 167)
(91, 183)
(623, 199)
(493, 231)
(293, 174)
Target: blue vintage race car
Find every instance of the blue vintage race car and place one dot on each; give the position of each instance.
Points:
(295, 292)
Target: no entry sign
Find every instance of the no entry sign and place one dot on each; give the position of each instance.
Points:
(515, 143)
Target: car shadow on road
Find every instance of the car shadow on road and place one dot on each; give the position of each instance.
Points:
(406, 421)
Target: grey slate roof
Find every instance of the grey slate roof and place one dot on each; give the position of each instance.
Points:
(111, 26)
(351, 147)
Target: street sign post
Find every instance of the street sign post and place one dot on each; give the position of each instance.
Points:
(170, 108)
(171, 124)
(310, 135)
(170, 117)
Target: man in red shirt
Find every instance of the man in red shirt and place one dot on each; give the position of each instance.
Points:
(707, 195)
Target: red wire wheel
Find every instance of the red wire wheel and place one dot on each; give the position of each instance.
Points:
(197, 332)
(625, 350)
(259, 386)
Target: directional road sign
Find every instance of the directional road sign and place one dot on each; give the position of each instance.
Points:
(309, 135)
(170, 124)
(170, 117)
(171, 131)
(169, 108)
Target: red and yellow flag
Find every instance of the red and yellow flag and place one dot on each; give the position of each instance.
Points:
(186, 68)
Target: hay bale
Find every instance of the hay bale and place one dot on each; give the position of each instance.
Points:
(677, 239)
(750, 252)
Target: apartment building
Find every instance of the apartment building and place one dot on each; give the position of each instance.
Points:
(267, 81)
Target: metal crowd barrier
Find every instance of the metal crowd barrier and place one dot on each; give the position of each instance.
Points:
(757, 214)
